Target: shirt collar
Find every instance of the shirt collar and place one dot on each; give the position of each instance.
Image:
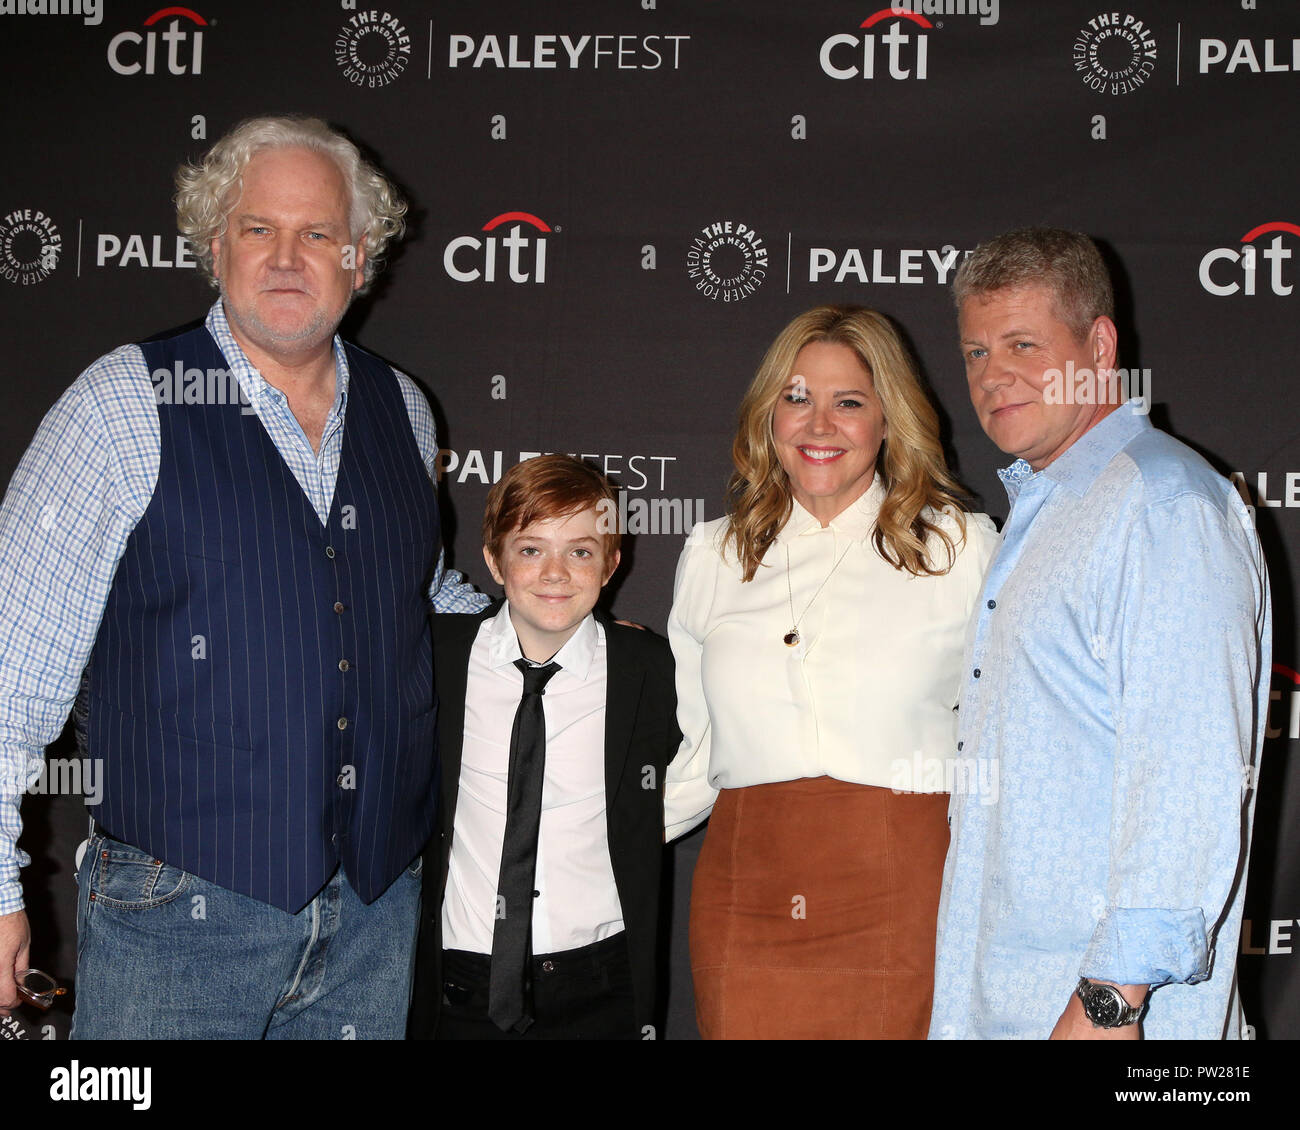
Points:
(855, 521)
(255, 386)
(575, 656)
(1078, 466)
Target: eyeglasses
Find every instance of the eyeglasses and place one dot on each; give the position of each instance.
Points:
(37, 987)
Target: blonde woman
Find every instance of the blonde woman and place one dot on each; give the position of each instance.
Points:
(818, 633)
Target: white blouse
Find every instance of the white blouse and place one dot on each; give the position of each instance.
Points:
(868, 694)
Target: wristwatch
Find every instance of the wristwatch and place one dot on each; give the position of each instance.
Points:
(1105, 1006)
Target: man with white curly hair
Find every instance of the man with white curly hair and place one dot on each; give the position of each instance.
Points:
(249, 594)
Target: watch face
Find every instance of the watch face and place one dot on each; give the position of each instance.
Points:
(1103, 1007)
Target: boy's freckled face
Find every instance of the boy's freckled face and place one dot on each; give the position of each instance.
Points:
(552, 571)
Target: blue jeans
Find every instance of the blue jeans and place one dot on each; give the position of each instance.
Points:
(165, 955)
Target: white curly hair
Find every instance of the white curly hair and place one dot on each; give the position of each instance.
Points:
(206, 191)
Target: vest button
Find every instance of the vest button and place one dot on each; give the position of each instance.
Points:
(344, 664)
(329, 551)
(338, 606)
(343, 723)
(548, 966)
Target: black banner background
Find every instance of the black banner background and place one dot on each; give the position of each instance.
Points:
(617, 354)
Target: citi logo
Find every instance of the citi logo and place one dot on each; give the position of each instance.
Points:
(846, 56)
(183, 48)
(469, 258)
(1227, 270)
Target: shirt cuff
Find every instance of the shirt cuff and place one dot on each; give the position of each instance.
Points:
(11, 891)
(1148, 947)
(686, 808)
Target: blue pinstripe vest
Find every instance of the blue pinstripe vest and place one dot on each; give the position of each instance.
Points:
(262, 685)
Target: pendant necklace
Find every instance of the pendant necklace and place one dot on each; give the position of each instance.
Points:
(791, 638)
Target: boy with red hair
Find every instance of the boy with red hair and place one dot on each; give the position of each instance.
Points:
(542, 889)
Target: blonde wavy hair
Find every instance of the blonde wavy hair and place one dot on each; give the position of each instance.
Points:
(911, 464)
(208, 190)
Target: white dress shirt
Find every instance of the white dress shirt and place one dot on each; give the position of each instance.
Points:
(578, 902)
(868, 693)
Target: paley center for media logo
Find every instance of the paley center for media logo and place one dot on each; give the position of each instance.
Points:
(372, 49)
(727, 260)
(1236, 270)
(1115, 53)
(30, 246)
(472, 258)
(166, 42)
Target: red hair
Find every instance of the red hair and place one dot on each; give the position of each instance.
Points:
(550, 486)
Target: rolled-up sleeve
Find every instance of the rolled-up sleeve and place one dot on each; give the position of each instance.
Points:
(1187, 648)
(449, 591)
(63, 528)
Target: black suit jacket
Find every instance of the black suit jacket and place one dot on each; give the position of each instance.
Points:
(641, 737)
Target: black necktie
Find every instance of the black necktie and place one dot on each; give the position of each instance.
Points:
(510, 984)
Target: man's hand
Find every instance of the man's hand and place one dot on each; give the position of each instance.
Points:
(1075, 1025)
(15, 944)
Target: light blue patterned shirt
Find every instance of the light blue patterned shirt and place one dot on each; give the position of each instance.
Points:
(80, 489)
(1117, 686)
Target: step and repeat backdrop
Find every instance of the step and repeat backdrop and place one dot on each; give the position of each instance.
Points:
(617, 204)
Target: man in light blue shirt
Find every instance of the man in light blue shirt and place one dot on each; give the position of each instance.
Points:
(1116, 683)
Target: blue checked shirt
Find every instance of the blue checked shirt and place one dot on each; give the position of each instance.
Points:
(79, 491)
(1111, 722)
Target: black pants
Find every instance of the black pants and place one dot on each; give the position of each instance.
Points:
(582, 994)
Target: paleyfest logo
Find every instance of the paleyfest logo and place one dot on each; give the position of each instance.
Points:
(1114, 53)
(727, 260)
(30, 246)
(1231, 270)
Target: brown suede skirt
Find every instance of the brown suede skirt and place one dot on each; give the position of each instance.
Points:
(813, 912)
